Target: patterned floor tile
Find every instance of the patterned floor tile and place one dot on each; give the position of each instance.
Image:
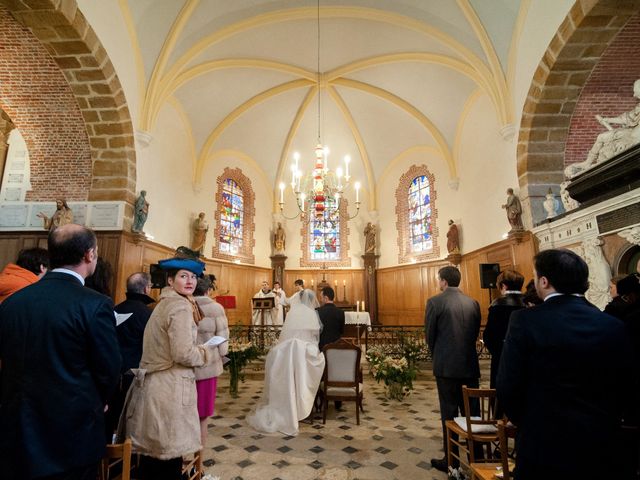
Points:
(393, 440)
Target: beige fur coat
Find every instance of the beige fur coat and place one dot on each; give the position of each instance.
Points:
(161, 412)
(214, 322)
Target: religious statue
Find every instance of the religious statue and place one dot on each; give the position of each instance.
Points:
(550, 205)
(453, 239)
(599, 273)
(279, 239)
(200, 229)
(614, 140)
(370, 238)
(514, 210)
(141, 210)
(62, 216)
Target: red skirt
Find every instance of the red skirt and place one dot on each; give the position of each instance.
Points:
(206, 396)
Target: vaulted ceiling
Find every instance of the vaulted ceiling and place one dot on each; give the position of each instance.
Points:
(394, 74)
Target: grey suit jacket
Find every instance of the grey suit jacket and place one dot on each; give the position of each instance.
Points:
(452, 325)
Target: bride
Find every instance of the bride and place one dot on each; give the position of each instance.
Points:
(293, 371)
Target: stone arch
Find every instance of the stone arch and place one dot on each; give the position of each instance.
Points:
(558, 81)
(62, 30)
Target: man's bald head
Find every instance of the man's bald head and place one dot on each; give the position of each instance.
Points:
(69, 244)
(139, 282)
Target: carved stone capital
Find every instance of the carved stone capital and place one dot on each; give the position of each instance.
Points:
(508, 131)
(143, 139)
(631, 235)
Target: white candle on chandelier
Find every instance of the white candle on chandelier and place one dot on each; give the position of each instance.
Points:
(326, 158)
(296, 157)
(293, 177)
(303, 197)
(357, 185)
(281, 192)
(347, 160)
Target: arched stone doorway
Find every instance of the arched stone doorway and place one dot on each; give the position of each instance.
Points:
(558, 82)
(96, 130)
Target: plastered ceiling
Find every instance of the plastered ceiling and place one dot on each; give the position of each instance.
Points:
(394, 75)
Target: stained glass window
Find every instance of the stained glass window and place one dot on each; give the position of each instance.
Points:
(420, 226)
(231, 217)
(324, 233)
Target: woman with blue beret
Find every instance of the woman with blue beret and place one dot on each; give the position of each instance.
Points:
(161, 413)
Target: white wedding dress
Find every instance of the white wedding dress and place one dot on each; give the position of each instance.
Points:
(293, 371)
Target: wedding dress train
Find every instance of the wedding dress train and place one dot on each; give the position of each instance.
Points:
(293, 370)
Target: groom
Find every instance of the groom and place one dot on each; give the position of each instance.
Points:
(332, 319)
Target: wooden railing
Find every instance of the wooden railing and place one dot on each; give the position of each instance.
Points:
(400, 340)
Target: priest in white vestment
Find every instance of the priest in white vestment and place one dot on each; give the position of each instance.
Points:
(270, 314)
(281, 301)
(293, 370)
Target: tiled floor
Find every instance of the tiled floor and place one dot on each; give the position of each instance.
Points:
(395, 440)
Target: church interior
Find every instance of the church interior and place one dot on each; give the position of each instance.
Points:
(358, 144)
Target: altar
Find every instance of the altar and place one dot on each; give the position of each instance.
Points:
(355, 325)
(358, 318)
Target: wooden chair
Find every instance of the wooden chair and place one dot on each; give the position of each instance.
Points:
(117, 454)
(488, 471)
(342, 377)
(192, 469)
(472, 434)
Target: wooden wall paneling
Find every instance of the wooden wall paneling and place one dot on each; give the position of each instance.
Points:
(109, 251)
(12, 242)
(9, 248)
(387, 297)
(353, 277)
(131, 261)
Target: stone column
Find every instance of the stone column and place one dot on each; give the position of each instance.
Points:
(370, 285)
(278, 265)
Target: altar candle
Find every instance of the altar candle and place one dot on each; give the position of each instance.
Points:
(344, 283)
(335, 283)
(363, 306)
(357, 306)
(312, 282)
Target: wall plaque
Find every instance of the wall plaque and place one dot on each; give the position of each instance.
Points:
(13, 215)
(619, 218)
(105, 215)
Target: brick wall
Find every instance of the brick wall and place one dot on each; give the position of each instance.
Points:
(64, 33)
(36, 96)
(608, 91)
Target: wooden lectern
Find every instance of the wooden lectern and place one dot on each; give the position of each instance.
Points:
(263, 304)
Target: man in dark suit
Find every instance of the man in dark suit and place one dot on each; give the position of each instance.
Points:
(452, 324)
(332, 318)
(563, 377)
(511, 299)
(60, 364)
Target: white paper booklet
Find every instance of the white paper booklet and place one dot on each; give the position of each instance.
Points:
(121, 317)
(215, 341)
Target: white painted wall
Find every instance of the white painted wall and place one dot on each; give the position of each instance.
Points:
(164, 170)
(487, 168)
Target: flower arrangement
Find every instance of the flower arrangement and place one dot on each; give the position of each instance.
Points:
(398, 374)
(239, 354)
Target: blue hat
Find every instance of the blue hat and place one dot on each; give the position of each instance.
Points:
(194, 266)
